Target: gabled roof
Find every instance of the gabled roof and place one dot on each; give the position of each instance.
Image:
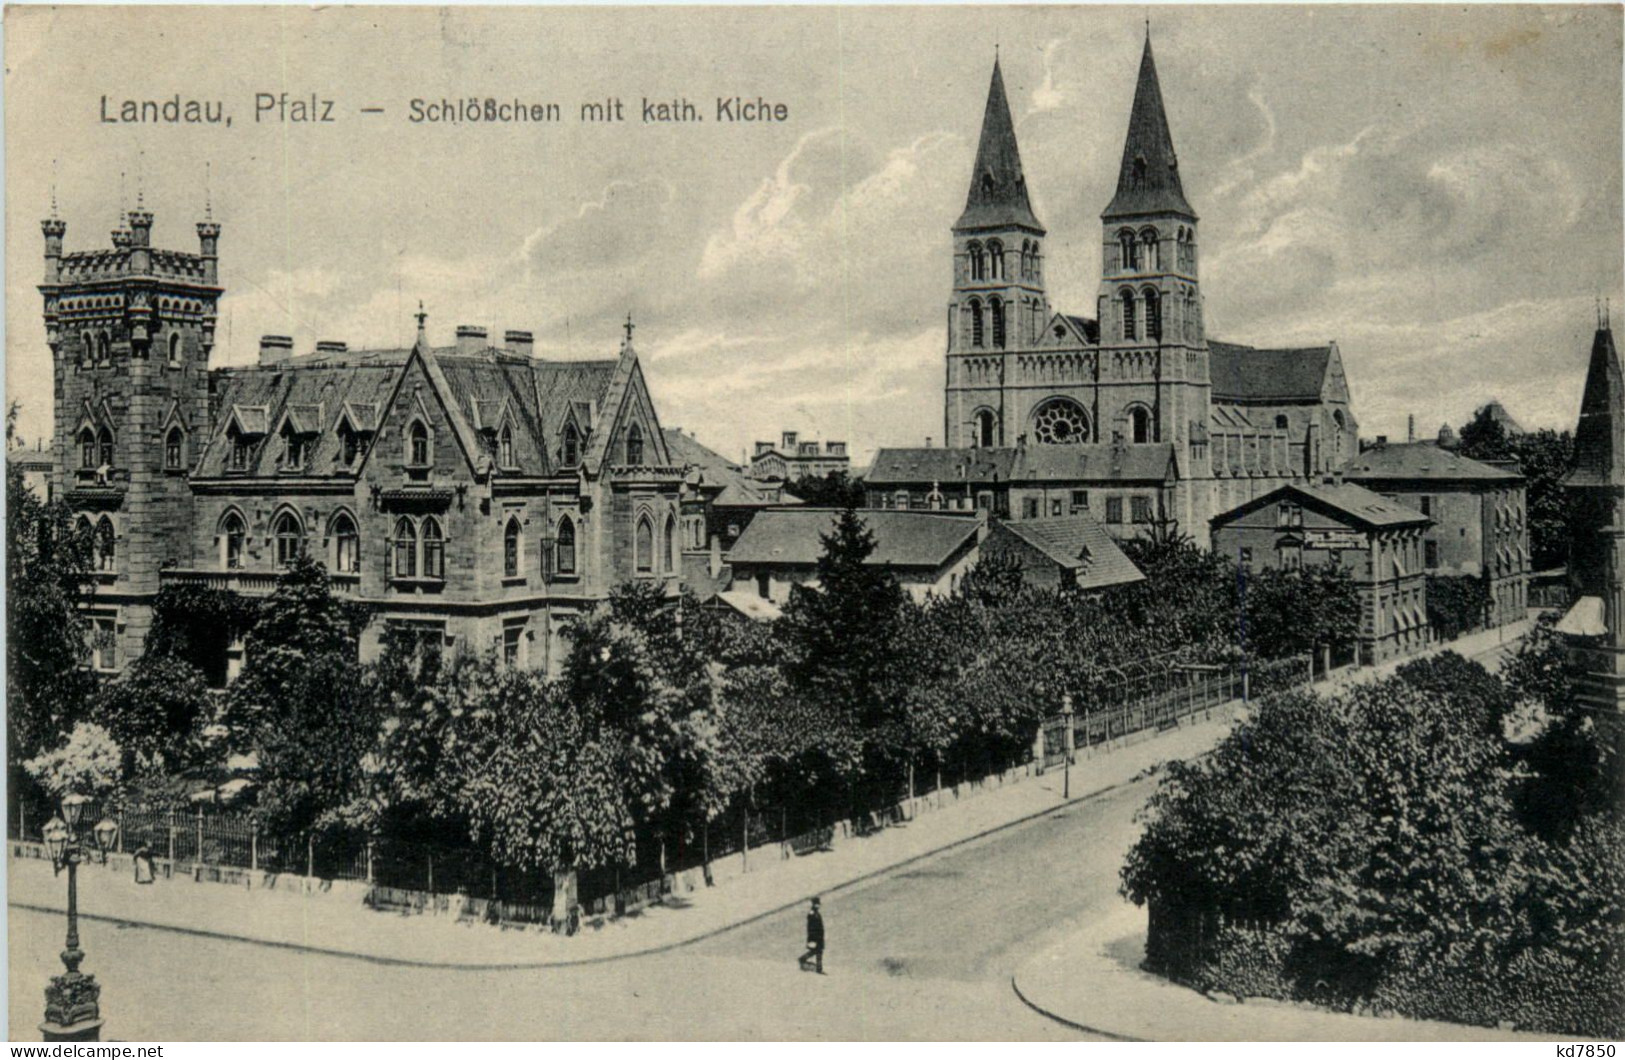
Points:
(250, 419)
(943, 466)
(1351, 503)
(1422, 460)
(902, 538)
(998, 189)
(1148, 179)
(1098, 462)
(1078, 543)
(492, 390)
(362, 416)
(1246, 373)
(1088, 327)
(735, 489)
(1599, 438)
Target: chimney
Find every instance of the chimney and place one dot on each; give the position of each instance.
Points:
(1382, 441)
(470, 339)
(520, 342)
(274, 349)
(140, 221)
(332, 347)
(928, 441)
(1410, 427)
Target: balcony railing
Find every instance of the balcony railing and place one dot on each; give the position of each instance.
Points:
(249, 582)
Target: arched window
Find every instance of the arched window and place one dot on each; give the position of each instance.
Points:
(1128, 250)
(1281, 422)
(1150, 244)
(978, 263)
(434, 549)
(417, 444)
(565, 548)
(173, 442)
(996, 310)
(1153, 315)
(1060, 421)
(634, 445)
(87, 448)
(105, 440)
(233, 535)
(1128, 314)
(975, 322)
(505, 447)
(1190, 316)
(643, 545)
(670, 542)
(104, 348)
(87, 351)
(986, 428)
(571, 455)
(406, 548)
(1139, 424)
(106, 544)
(995, 260)
(174, 348)
(346, 545)
(290, 539)
(510, 550)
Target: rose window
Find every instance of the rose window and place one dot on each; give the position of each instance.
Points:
(1061, 422)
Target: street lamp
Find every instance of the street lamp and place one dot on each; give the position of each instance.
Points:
(72, 1012)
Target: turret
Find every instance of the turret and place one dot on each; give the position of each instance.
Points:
(208, 240)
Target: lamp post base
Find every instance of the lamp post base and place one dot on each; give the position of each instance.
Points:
(83, 1031)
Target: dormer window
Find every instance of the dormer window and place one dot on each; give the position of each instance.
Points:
(349, 446)
(104, 441)
(294, 449)
(239, 449)
(173, 443)
(417, 444)
(87, 448)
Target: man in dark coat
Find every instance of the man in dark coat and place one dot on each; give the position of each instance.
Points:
(814, 957)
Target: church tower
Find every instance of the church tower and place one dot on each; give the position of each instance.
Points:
(1595, 489)
(998, 302)
(130, 328)
(1153, 358)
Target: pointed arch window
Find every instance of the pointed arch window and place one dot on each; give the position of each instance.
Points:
(1128, 314)
(996, 310)
(346, 545)
(1153, 314)
(290, 539)
(105, 441)
(669, 545)
(174, 443)
(406, 548)
(417, 444)
(174, 349)
(976, 325)
(564, 549)
(995, 259)
(233, 535)
(643, 545)
(434, 549)
(505, 446)
(571, 455)
(106, 545)
(634, 445)
(87, 448)
(510, 549)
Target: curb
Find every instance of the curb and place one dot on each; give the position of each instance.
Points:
(507, 966)
(1063, 1021)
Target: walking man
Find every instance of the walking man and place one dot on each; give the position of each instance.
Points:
(814, 957)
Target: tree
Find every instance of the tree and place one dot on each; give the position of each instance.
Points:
(835, 490)
(302, 706)
(1457, 603)
(1484, 438)
(87, 763)
(1545, 458)
(49, 578)
(155, 710)
(1292, 612)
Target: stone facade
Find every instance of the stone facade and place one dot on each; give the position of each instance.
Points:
(480, 494)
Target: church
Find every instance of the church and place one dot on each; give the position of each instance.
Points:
(474, 493)
(1130, 414)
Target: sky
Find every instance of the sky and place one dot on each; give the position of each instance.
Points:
(1436, 188)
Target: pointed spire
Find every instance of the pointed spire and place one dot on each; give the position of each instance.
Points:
(1599, 438)
(1148, 181)
(998, 190)
(208, 192)
(54, 215)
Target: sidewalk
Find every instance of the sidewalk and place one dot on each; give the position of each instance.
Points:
(335, 922)
(1092, 981)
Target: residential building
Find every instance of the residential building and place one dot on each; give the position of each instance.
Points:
(1479, 527)
(797, 458)
(1377, 540)
(473, 493)
(719, 499)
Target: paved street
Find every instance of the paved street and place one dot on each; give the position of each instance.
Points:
(925, 952)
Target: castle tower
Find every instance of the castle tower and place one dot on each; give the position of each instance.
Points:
(1153, 358)
(1595, 489)
(130, 330)
(998, 302)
